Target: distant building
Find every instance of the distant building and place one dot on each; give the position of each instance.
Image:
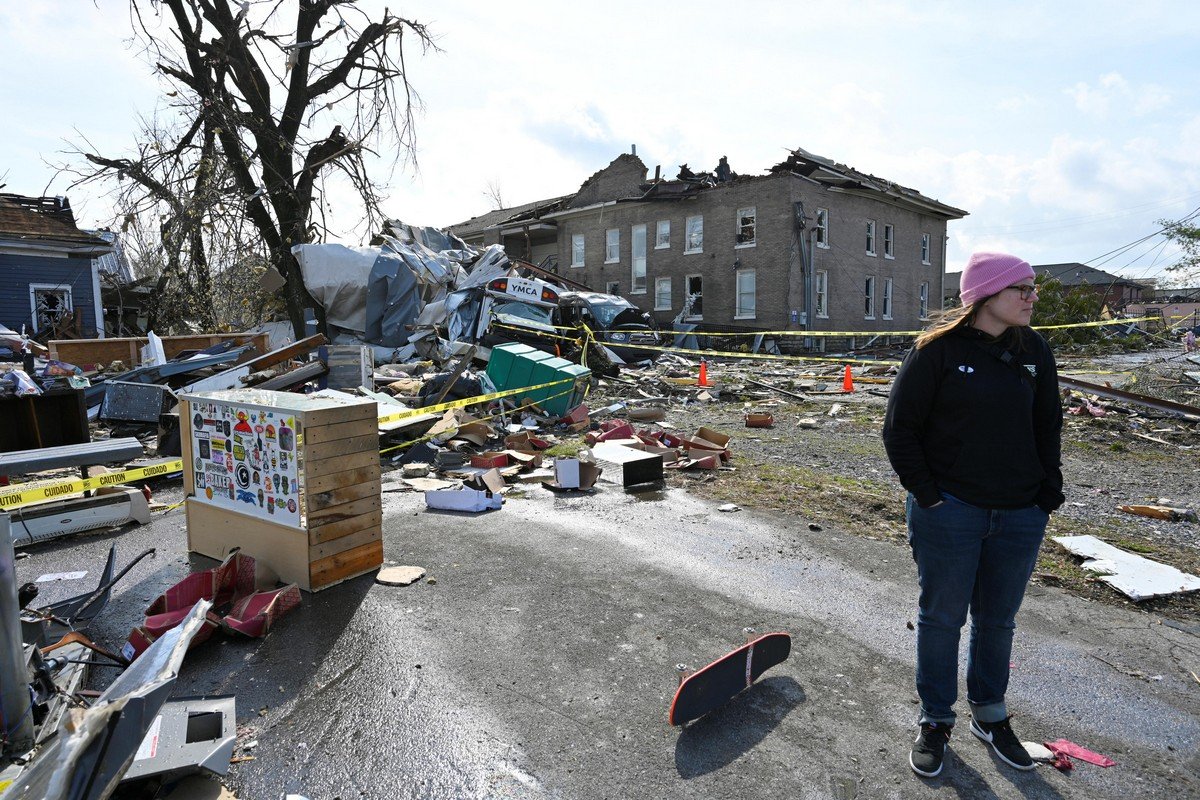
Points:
(1116, 291)
(811, 244)
(49, 274)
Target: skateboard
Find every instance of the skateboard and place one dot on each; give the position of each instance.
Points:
(711, 687)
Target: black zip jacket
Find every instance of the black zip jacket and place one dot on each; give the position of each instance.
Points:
(961, 421)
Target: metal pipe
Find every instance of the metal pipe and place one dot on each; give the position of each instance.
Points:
(15, 701)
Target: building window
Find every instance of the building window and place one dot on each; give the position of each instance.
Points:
(822, 291)
(887, 298)
(924, 309)
(662, 237)
(870, 237)
(50, 303)
(577, 250)
(822, 227)
(637, 281)
(694, 235)
(693, 301)
(889, 233)
(924, 249)
(662, 294)
(612, 287)
(612, 246)
(746, 223)
(869, 294)
(745, 307)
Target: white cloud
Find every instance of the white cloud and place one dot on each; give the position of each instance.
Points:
(1114, 95)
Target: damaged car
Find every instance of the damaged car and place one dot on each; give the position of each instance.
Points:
(617, 323)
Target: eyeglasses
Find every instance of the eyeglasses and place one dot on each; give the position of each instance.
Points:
(1025, 289)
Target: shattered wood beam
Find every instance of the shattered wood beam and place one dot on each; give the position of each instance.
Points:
(1165, 406)
(776, 389)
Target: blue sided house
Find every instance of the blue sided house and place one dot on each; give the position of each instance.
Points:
(49, 269)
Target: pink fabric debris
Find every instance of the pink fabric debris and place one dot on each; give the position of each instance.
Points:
(1082, 753)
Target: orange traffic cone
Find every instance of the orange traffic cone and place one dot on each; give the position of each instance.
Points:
(847, 381)
(703, 381)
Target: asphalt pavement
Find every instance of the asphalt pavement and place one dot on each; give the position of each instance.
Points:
(539, 661)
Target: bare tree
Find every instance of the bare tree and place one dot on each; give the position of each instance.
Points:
(492, 193)
(251, 82)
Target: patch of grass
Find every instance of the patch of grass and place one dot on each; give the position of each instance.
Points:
(566, 449)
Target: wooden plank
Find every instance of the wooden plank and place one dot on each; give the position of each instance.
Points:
(319, 501)
(345, 527)
(367, 409)
(346, 565)
(315, 469)
(341, 430)
(284, 353)
(128, 349)
(341, 447)
(349, 477)
(324, 516)
(185, 449)
(214, 532)
(344, 543)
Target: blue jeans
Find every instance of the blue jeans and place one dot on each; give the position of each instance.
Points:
(977, 559)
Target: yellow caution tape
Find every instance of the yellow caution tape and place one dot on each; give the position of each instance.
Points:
(427, 437)
(470, 401)
(25, 494)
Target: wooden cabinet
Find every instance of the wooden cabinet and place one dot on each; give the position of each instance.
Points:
(291, 480)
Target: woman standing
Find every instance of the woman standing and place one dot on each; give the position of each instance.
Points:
(973, 431)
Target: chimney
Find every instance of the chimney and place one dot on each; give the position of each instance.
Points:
(633, 149)
(657, 172)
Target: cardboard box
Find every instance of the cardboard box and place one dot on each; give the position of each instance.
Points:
(490, 460)
(575, 473)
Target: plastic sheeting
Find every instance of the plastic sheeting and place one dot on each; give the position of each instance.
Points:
(337, 277)
(393, 300)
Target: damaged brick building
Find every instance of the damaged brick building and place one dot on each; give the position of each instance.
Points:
(811, 244)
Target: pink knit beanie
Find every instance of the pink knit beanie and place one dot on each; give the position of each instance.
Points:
(988, 273)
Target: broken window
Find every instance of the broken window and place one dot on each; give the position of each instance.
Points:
(613, 288)
(577, 250)
(869, 293)
(662, 238)
(695, 293)
(887, 298)
(612, 246)
(870, 237)
(694, 234)
(50, 304)
(745, 308)
(924, 307)
(822, 292)
(924, 249)
(822, 227)
(662, 294)
(637, 281)
(746, 218)
(889, 233)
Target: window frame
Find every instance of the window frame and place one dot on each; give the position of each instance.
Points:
(637, 270)
(926, 248)
(923, 301)
(869, 297)
(613, 288)
(889, 240)
(739, 227)
(871, 238)
(687, 234)
(887, 298)
(609, 244)
(822, 228)
(821, 290)
(581, 240)
(687, 279)
(739, 311)
(658, 283)
(66, 289)
(659, 244)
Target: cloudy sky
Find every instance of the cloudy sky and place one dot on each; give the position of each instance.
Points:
(1065, 129)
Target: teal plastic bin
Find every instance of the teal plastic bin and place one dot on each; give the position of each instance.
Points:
(515, 365)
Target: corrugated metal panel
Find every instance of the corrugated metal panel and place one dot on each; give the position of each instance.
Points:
(17, 272)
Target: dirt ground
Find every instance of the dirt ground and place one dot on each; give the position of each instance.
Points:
(824, 461)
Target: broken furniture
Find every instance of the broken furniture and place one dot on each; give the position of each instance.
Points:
(629, 467)
(291, 480)
(55, 417)
(129, 349)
